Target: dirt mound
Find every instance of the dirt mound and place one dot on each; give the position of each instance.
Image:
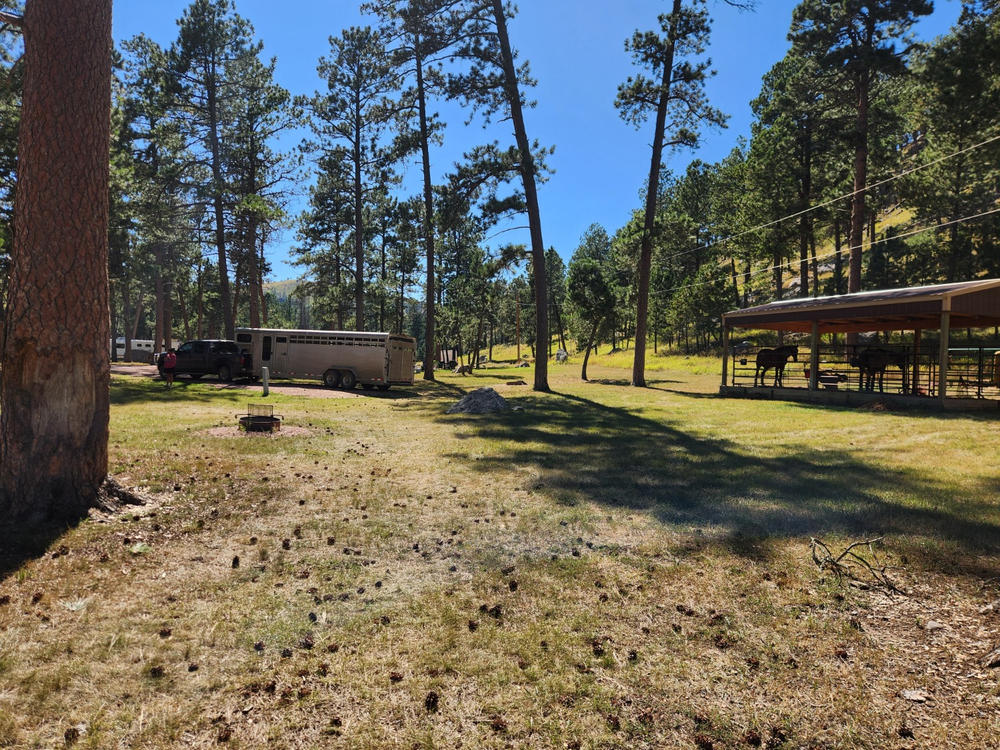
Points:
(480, 401)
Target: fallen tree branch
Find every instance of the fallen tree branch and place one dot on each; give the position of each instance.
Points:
(848, 563)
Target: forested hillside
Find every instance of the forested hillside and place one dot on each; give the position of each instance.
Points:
(874, 161)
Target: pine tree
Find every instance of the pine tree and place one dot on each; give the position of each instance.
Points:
(854, 45)
(202, 64)
(355, 113)
(55, 387)
(676, 92)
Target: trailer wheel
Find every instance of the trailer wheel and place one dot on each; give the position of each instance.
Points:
(331, 378)
(348, 380)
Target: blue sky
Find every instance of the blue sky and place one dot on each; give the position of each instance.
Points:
(576, 51)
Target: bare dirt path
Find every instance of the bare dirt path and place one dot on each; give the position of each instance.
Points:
(301, 389)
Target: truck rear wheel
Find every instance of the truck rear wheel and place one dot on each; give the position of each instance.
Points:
(348, 379)
(331, 378)
(225, 374)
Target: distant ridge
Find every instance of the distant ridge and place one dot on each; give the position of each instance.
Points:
(281, 289)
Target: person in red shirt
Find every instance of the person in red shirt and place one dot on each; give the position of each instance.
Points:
(169, 365)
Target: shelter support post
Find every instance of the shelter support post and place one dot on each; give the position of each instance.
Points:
(943, 354)
(814, 357)
(915, 379)
(725, 352)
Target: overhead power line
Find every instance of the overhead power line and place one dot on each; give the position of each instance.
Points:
(851, 194)
(844, 250)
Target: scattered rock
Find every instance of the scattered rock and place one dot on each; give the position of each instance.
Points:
(480, 401)
(933, 625)
(992, 660)
(993, 606)
(917, 696)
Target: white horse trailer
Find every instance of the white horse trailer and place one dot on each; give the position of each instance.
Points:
(338, 358)
(141, 350)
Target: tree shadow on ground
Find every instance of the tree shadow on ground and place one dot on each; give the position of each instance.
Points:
(127, 390)
(22, 542)
(590, 451)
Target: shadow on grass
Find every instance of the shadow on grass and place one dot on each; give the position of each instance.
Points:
(129, 390)
(586, 450)
(20, 543)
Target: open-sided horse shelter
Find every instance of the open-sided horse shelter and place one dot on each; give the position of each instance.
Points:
(844, 374)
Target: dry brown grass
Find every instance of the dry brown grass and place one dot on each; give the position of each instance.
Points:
(608, 568)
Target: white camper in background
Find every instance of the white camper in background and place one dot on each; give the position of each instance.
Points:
(338, 358)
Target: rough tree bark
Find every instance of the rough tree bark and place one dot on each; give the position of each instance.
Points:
(649, 214)
(856, 232)
(55, 388)
(527, 168)
(430, 355)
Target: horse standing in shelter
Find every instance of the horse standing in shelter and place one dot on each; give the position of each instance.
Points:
(873, 362)
(776, 359)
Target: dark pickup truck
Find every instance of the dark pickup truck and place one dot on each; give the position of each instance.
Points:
(209, 357)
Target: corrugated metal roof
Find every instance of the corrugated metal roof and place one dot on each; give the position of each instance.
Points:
(881, 309)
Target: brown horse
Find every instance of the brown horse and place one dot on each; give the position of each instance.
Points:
(873, 362)
(775, 359)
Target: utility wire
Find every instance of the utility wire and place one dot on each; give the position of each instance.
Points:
(795, 215)
(845, 250)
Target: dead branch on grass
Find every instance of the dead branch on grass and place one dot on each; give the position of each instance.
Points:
(850, 564)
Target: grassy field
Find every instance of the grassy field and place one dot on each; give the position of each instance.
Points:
(600, 567)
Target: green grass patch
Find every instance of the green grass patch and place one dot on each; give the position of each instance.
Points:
(604, 566)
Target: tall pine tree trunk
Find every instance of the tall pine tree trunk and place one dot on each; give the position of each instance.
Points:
(217, 208)
(359, 236)
(527, 167)
(805, 220)
(54, 397)
(425, 162)
(856, 234)
(649, 219)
